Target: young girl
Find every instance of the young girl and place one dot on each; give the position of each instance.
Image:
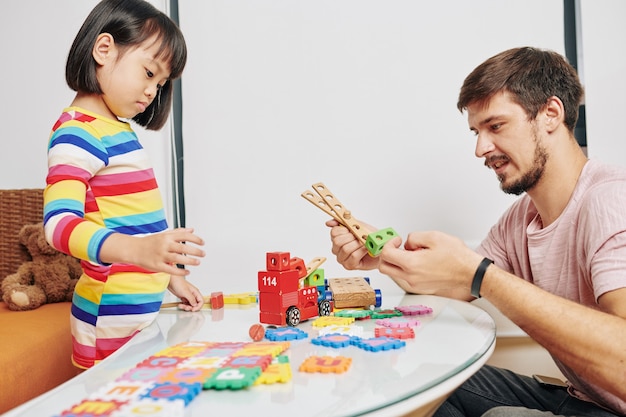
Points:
(102, 203)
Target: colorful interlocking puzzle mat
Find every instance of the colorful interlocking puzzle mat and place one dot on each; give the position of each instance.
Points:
(166, 382)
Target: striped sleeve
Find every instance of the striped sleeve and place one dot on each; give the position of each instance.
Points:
(74, 156)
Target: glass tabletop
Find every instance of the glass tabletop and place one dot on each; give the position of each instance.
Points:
(449, 340)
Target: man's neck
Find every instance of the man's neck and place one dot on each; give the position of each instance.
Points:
(553, 192)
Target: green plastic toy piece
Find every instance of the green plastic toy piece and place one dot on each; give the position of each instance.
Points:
(232, 378)
(375, 241)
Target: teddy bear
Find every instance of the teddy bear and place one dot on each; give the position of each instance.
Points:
(50, 277)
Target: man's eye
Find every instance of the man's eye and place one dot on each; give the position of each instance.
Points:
(496, 126)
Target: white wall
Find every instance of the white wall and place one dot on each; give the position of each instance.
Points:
(604, 76)
(35, 37)
(358, 94)
(279, 94)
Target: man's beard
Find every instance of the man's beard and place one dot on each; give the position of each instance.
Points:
(532, 176)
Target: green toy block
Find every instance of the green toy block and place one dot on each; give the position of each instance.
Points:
(375, 241)
(315, 278)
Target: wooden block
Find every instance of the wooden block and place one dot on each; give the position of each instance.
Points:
(351, 292)
(277, 261)
(217, 300)
(297, 264)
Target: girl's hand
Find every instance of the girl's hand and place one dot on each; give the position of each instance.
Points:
(190, 297)
(160, 252)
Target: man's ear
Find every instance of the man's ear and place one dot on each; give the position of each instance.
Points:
(554, 113)
(103, 48)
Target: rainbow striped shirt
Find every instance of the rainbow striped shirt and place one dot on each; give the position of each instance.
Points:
(99, 182)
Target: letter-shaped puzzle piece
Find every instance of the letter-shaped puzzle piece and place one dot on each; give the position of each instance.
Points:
(122, 391)
(174, 391)
(261, 361)
(278, 371)
(148, 407)
(326, 364)
(93, 408)
(232, 378)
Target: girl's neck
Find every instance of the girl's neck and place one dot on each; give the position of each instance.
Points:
(93, 103)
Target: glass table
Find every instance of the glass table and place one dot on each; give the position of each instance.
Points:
(449, 346)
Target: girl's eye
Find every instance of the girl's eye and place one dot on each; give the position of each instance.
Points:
(149, 73)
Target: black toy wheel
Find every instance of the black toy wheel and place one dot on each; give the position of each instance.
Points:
(293, 316)
(324, 308)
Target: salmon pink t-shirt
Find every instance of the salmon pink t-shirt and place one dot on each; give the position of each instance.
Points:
(580, 256)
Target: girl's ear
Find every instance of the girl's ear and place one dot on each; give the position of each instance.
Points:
(103, 48)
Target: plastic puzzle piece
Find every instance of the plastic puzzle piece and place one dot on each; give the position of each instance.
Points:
(232, 378)
(241, 298)
(414, 310)
(335, 340)
(378, 343)
(398, 322)
(326, 364)
(278, 371)
(249, 361)
(396, 333)
(174, 391)
(122, 391)
(285, 333)
(350, 330)
(93, 408)
(332, 321)
(182, 351)
(204, 362)
(375, 241)
(188, 375)
(145, 374)
(385, 313)
(149, 407)
(357, 314)
(263, 348)
(161, 362)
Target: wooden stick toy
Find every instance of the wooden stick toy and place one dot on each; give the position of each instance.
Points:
(214, 301)
(326, 201)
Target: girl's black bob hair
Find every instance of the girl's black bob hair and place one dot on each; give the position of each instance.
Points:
(130, 22)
